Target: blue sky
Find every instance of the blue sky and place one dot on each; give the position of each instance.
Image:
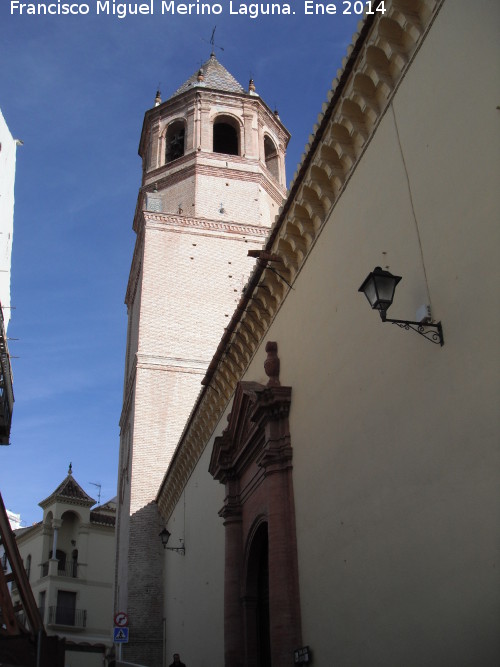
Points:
(75, 89)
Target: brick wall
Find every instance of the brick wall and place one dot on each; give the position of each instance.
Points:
(186, 278)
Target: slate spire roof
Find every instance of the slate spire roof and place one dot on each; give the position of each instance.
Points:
(69, 491)
(212, 75)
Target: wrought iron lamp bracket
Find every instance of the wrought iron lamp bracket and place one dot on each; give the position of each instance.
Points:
(431, 332)
(180, 550)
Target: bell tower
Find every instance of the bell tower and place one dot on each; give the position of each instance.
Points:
(213, 178)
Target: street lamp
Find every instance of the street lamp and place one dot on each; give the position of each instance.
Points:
(165, 536)
(379, 287)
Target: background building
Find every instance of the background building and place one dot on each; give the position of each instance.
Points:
(213, 180)
(8, 147)
(7, 177)
(69, 560)
(358, 509)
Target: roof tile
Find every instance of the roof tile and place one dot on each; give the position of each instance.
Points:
(215, 76)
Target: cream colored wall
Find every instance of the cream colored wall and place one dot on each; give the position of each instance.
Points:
(100, 577)
(194, 583)
(31, 544)
(93, 586)
(396, 460)
(395, 440)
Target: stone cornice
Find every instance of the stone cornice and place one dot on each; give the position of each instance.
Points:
(376, 64)
(171, 363)
(183, 223)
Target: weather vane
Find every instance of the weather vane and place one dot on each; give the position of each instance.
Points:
(212, 42)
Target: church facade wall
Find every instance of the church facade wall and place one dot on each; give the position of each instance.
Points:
(395, 456)
(194, 583)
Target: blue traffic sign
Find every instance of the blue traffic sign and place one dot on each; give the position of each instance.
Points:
(120, 635)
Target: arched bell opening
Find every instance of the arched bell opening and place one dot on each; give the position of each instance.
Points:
(226, 136)
(271, 157)
(175, 141)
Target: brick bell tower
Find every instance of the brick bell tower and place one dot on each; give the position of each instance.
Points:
(213, 178)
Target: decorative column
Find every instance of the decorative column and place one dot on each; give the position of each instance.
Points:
(231, 513)
(284, 603)
(53, 562)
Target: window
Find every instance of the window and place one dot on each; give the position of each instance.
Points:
(28, 566)
(66, 608)
(226, 136)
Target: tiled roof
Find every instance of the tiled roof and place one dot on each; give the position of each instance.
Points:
(69, 490)
(215, 76)
(104, 519)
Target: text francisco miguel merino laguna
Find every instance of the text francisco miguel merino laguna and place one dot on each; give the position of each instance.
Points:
(252, 10)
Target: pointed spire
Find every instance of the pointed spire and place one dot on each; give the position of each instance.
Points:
(214, 76)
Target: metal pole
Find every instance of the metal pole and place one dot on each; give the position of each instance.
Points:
(39, 649)
(164, 656)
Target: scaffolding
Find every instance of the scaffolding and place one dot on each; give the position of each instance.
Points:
(23, 640)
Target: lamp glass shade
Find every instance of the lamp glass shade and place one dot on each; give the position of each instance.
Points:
(165, 536)
(379, 287)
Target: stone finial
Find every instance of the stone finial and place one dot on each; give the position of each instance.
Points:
(272, 364)
(158, 98)
(251, 86)
(70, 469)
(200, 74)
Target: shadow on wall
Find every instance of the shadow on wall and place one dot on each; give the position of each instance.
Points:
(145, 589)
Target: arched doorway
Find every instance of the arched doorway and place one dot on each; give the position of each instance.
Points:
(253, 459)
(258, 636)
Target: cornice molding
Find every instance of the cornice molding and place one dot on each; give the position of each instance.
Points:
(171, 363)
(167, 221)
(376, 64)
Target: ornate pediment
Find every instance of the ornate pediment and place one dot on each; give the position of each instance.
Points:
(247, 433)
(238, 433)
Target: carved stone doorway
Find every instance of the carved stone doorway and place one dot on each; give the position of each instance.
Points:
(253, 459)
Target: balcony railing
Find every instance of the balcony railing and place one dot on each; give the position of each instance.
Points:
(68, 616)
(63, 569)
